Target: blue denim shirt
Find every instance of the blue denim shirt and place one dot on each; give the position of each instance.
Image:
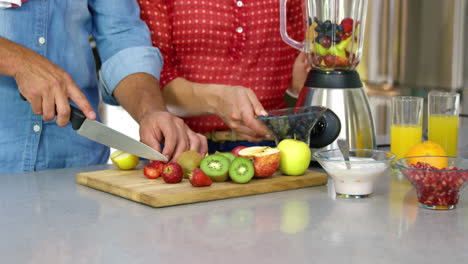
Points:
(60, 31)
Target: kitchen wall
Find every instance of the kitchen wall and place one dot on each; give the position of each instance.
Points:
(117, 118)
(412, 47)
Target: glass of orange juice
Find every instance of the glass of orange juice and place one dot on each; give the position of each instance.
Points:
(406, 126)
(443, 111)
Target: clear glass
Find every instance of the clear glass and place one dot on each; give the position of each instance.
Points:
(443, 120)
(436, 189)
(334, 33)
(294, 122)
(406, 126)
(357, 181)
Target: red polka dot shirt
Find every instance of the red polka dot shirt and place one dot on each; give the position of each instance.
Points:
(230, 42)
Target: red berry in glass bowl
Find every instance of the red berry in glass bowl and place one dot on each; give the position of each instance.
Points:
(436, 188)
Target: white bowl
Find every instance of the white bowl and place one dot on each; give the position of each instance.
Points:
(366, 165)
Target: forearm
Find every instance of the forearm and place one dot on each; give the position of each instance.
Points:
(10, 54)
(139, 94)
(185, 98)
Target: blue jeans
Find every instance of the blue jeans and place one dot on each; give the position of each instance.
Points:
(227, 146)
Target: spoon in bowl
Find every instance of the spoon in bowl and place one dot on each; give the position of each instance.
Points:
(344, 148)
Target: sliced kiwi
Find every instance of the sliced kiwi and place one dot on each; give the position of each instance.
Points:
(228, 155)
(241, 170)
(216, 166)
(189, 160)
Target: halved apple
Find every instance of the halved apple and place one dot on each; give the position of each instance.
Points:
(266, 160)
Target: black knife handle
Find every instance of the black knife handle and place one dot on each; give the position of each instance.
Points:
(76, 116)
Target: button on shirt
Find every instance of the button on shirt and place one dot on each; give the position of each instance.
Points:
(60, 31)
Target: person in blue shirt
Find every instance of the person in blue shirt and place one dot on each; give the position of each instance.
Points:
(45, 55)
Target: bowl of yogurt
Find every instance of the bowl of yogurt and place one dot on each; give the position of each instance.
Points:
(355, 178)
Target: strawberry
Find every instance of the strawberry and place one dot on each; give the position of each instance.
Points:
(153, 169)
(347, 24)
(172, 172)
(199, 179)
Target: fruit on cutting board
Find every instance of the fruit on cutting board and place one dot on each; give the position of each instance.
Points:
(216, 166)
(236, 150)
(241, 170)
(189, 160)
(124, 161)
(228, 155)
(154, 169)
(266, 160)
(427, 148)
(199, 179)
(172, 172)
(295, 157)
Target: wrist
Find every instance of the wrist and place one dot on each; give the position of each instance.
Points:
(139, 94)
(12, 57)
(208, 96)
(294, 94)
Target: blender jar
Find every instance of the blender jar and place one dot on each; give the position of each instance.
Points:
(334, 32)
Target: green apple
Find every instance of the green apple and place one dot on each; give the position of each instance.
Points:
(294, 157)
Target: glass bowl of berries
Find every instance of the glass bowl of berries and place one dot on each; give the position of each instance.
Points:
(300, 123)
(437, 188)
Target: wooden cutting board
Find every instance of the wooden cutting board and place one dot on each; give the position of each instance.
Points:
(134, 186)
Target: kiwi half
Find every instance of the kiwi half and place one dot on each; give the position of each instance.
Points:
(216, 166)
(228, 155)
(241, 170)
(189, 160)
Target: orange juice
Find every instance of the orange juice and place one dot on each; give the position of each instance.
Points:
(403, 137)
(443, 130)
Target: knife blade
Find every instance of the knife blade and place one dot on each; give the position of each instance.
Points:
(107, 136)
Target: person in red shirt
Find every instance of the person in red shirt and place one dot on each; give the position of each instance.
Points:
(225, 64)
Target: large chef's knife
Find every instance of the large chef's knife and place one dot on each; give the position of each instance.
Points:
(105, 135)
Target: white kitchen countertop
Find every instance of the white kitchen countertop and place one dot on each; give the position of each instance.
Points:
(45, 217)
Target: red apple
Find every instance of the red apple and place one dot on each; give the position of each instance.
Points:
(172, 173)
(236, 150)
(266, 160)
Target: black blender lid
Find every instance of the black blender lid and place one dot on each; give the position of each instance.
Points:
(333, 79)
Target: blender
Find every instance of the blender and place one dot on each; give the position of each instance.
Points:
(334, 37)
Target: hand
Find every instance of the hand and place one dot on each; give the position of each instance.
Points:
(157, 127)
(238, 106)
(48, 88)
(299, 74)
